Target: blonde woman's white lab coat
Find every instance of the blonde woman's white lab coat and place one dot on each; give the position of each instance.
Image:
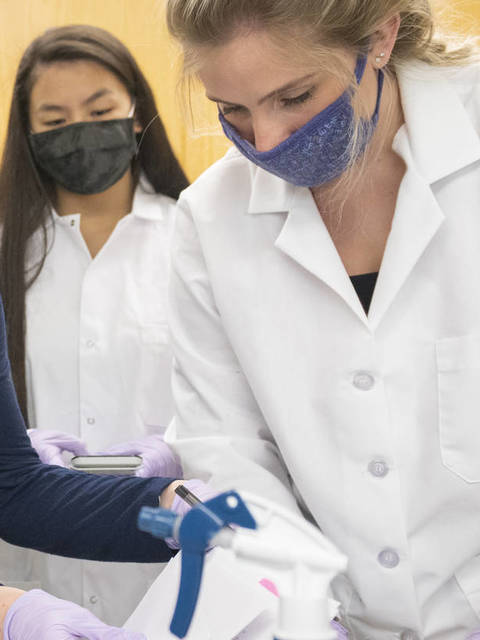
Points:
(98, 361)
(281, 378)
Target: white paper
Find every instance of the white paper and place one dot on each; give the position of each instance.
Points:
(230, 599)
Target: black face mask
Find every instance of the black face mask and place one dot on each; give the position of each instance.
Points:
(86, 157)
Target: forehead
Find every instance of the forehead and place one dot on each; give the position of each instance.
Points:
(72, 81)
(247, 61)
(254, 63)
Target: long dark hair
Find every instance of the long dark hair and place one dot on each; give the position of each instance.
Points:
(26, 193)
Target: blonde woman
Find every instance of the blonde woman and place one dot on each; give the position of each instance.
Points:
(325, 293)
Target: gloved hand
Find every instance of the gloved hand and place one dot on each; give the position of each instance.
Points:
(158, 458)
(39, 616)
(474, 636)
(203, 492)
(342, 633)
(50, 444)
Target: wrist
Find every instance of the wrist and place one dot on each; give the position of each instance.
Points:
(168, 494)
(8, 595)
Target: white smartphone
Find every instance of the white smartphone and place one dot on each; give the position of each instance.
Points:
(107, 465)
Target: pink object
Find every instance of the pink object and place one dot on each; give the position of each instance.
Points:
(37, 614)
(50, 445)
(158, 458)
(268, 584)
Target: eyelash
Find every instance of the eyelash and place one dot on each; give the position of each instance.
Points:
(98, 113)
(227, 110)
(101, 112)
(54, 123)
(291, 102)
(286, 102)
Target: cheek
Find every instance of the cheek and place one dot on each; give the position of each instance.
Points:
(243, 124)
(311, 109)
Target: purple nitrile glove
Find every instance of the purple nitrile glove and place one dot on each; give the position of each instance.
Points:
(50, 444)
(39, 616)
(201, 490)
(475, 635)
(342, 633)
(157, 457)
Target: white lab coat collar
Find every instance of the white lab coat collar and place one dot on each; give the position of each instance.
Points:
(269, 194)
(146, 202)
(146, 205)
(442, 137)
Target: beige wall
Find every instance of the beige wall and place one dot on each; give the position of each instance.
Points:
(140, 24)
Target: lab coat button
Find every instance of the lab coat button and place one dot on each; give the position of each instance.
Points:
(91, 420)
(388, 558)
(93, 599)
(90, 343)
(378, 468)
(363, 381)
(408, 635)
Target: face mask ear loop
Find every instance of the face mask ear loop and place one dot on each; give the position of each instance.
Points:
(381, 78)
(360, 70)
(144, 132)
(360, 67)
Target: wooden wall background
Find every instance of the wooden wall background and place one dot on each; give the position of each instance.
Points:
(140, 24)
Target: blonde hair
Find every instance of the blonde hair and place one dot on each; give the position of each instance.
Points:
(327, 24)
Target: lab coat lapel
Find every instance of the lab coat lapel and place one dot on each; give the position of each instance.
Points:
(437, 141)
(417, 219)
(303, 237)
(442, 137)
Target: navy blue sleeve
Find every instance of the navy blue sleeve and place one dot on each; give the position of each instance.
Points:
(68, 513)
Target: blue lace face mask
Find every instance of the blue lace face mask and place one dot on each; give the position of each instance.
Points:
(320, 151)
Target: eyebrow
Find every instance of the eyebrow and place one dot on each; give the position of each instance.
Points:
(55, 107)
(285, 87)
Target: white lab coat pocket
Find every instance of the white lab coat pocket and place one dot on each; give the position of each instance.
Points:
(468, 578)
(458, 366)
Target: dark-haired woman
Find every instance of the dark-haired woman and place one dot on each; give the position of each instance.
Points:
(87, 188)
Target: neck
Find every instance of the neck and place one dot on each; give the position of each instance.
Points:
(114, 203)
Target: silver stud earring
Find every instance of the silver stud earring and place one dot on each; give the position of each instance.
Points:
(379, 58)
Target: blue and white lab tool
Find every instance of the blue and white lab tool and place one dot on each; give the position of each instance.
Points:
(288, 550)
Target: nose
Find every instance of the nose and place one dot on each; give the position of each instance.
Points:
(268, 134)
